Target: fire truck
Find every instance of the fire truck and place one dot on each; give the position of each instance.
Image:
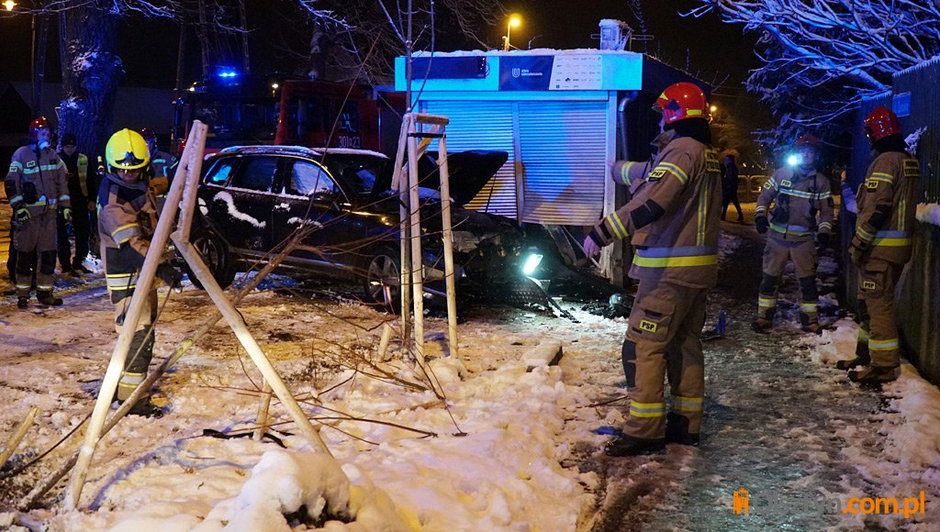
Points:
(250, 109)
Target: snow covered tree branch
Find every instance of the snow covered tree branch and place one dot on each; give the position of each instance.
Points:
(822, 57)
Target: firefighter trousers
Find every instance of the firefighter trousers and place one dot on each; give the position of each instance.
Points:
(878, 329)
(664, 341)
(777, 253)
(35, 247)
(141, 349)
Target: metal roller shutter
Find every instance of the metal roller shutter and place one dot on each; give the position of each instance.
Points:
(476, 125)
(563, 151)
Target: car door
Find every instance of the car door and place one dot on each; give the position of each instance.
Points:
(311, 198)
(239, 200)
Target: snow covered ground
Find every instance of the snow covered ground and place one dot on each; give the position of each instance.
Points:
(496, 448)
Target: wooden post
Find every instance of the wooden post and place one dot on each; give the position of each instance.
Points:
(417, 264)
(18, 435)
(264, 405)
(193, 151)
(448, 237)
(400, 183)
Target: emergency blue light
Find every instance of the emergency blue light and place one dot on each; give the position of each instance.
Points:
(794, 159)
(227, 74)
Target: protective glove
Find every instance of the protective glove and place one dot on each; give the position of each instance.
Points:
(823, 240)
(858, 248)
(762, 224)
(159, 185)
(22, 214)
(590, 247)
(170, 275)
(67, 215)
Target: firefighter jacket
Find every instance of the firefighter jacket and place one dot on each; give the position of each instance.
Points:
(37, 181)
(798, 199)
(672, 220)
(77, 167)
(886, 207)
(127, 214)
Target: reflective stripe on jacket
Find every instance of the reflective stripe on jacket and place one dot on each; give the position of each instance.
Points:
(680, 244)
(796, 204)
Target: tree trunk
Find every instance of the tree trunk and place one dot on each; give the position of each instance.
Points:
(91, 70)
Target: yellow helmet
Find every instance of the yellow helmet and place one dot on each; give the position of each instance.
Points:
(127, 150)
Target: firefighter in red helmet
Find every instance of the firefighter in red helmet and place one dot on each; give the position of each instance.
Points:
(882, 246)
(37, 187)
(794, 206)
(672, 222)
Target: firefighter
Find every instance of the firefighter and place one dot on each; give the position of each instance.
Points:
(672, 222)
(126, 221)
(794, 205)
(882, 246)
(81, 189)
(37, 188)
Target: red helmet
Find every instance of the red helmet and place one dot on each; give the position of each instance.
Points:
(682, 100)
(38, 123)
(808, 140)
(881, 123)
(149, 135)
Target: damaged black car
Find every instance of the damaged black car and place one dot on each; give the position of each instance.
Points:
(253, 199)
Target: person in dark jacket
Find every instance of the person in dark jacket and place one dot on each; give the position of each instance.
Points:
(81, 190)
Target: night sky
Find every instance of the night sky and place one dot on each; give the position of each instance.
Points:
(711, 49)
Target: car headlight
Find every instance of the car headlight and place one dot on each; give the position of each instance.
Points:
(531, 263)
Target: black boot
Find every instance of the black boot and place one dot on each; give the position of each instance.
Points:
(78, 267)
(22, 302)
(624, 445)
(862, 358)
(873, 375)
(46, 298)
(677, 430)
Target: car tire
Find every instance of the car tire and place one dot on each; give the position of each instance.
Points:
(215, 252)
(383, 279)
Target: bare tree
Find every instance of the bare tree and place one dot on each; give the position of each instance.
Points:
(822, 57)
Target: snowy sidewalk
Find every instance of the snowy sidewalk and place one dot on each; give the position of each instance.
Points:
(505, 449)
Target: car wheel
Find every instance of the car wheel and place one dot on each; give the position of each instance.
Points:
(383, 279)
(214, 251)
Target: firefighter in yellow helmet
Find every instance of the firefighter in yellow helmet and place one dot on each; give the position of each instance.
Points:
(127, 217)
(672, 221)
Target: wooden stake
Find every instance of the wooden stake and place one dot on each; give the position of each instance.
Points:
(263, 406)
(448, 237)
(417, 264)
(18, 435)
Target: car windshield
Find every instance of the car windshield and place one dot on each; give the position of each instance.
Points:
(366, 175)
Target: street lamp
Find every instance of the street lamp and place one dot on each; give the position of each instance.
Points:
(9, 5)
(713, 108)
(514, 20)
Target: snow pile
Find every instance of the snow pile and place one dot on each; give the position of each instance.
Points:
(929, 213)
(835, 344)
(285, 483)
